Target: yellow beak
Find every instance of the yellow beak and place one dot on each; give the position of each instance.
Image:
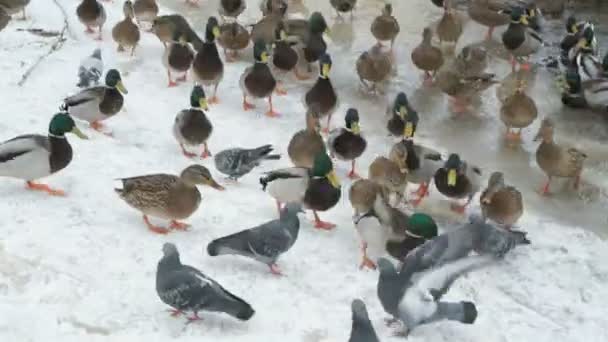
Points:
(524, 20)
(121, 87)
(452, 175)
(333, 179)
(574, 28)
(76, 131)
(325, 71)
(582, 43)
(203, 104)
(403, 112)
(409, 130)
(264, 57)
(532, 13)
(327, 31)
(283, 35)
(354, 127)
(216, 31)
(183, 40)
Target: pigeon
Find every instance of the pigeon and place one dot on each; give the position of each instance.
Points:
(264, 243)
(363, 330)
(237, 162)
(187, 289)
(90, 70)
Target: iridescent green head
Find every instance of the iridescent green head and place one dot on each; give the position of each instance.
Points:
(421, 226)
(325, 64)
(260, 53)
(113, 80)
(400, 105)
(198, 98)
(388, 9)
(352, 120)
(317, 23)
(63, 123)
(212, 31)
(323, 167)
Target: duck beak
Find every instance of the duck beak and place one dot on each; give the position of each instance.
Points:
(77, 132)
(452, 176)
(216, 31)
(333, 179)
(409, 130)
(327, 31)
(403, 112)
(325, 70)
(212, 183)
(354, 127)
(203, 104)
(264, 57)
(283, 35)
(524, 20)
(121, 87)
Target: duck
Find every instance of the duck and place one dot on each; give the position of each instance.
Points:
(264, 29)
(284, 56)
(12, 7)
(34, 156)
(178, 57)
(347, 143)
(125, 32)
(362, 195)
(391, 173)
(257, 80)
(595, 93)
(420, 228)
(586, 59)
(572, 90)
(207, 67)
(518, 111)
(374, 66)
(97, 104)
(399, 113)
(427, 57)
(5, 18)
(192, 126)
(232, 8)
(166, 196)
(449, 28)
(373, 235)
(462, 88)
(490, 13)
(552, 7)
(501, 203)
(307, 143)
(343, 6)
(421, 164)
(323, 92)
(556, 160)
(165, 27)
(535, 17)
(576, 30)
(91, 13)
(309, 36)
(519, 39)
(233, 38)
(457, 179)
(471, 61)
(273, 6)
(145, 12)
(385, 26)
(317, 188)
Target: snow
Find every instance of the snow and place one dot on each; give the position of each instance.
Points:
(83, 267)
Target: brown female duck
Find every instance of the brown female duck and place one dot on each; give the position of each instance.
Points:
(323, 93)
(391, 173)
(126, 33)
(385, 26)
(91, 13)
(145, 12)
(427, 57)
(233, 38)
(501, 203)
(489, 13)
(374, 66)
(518, 111)
(449, 28)
(306, 144)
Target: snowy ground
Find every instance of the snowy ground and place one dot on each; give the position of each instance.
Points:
(83, 267)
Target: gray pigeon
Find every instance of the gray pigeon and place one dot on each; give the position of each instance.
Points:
(264, 243)
(187, 289)
(237, 162)
(90, 70)
(363, 330)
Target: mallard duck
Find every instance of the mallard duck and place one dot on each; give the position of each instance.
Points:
(12, 7)
(471, 61)
(490, 13)
(306, 144)
(553, 7)
(427, 57)
(419, 229)
(284, 57)
(165, 27)
(518, 111)
(4, 19)
(273, 6)
(399, 113)
(343, 6)
(457, 180)
(573, 42)
(177, 58)
(207, 66)
(535, 17)
(519, 39)
(449, 28)
(125, 32)
(91, 13)
(501, 203)
(572, 89)
(347, 143)
(391, 173)
(422, 163)
(33, 156)
(363, 194)
(323, 93)
(373, 235)
(385, 26)
(264, 29)
(317, 188)
(462, 88)
(233, 37)
(145, 11)
(586, 59)
(309, 35)
(556, 160)
(96, 104)
(374, 66)
(165, 196)
(232, 8)
(257, 80)
(192, 127)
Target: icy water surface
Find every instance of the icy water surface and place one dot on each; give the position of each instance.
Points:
(478, 137)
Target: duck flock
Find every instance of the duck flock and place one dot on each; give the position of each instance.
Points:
(416, 264)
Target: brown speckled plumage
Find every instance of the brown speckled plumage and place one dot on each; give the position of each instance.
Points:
(556, 160)
(306, 144)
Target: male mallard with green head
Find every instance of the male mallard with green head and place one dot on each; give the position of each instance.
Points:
(347, 143)
(125, 32)
(519, 39)
(400, 113)
(284, 57)
(385, 26)
(307, 143)
(165, 196)
(208, 66)
(323, 92)
(178, 57)
(427, 57)
(33, 156)
(91, 13)
(518, 111)
(257, 81)
(457, 180)
(501, 203)
(419, 229)
(312, 44)
(317, 188)
(233, 38)
(96, 104)
(192, 127)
